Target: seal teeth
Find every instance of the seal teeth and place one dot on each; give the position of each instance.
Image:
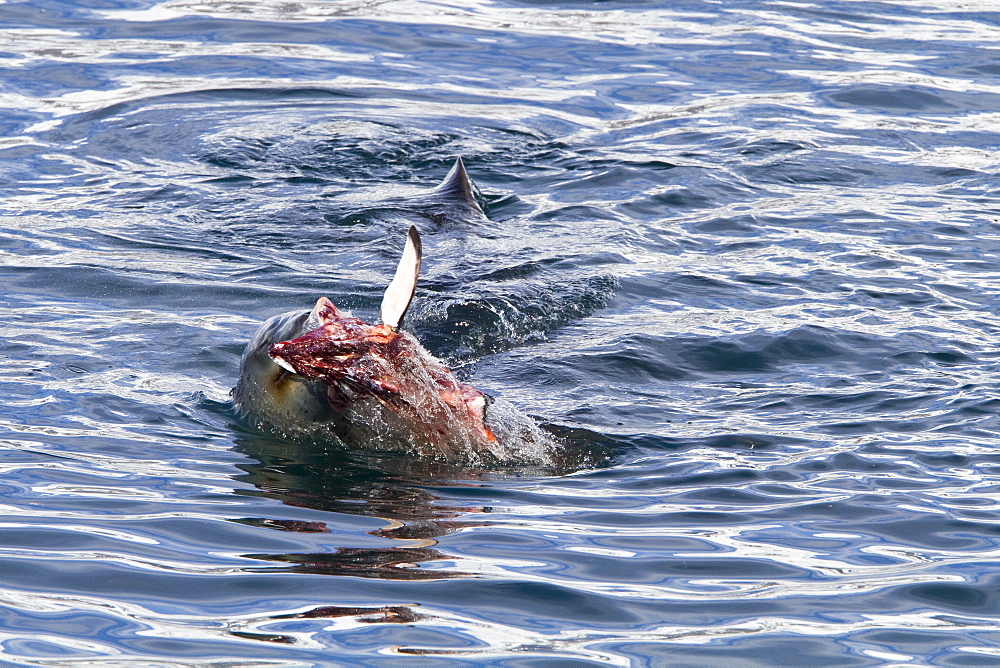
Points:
(283, 364)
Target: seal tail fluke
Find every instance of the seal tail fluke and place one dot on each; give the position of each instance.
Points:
(399, 294)
(457, 185)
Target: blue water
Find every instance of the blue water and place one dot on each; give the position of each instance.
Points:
(746, 250)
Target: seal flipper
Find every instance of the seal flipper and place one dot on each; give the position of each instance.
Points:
(457, 186)
(323, 312)
(399, 294)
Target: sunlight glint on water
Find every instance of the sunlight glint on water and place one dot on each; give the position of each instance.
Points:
(747, 252)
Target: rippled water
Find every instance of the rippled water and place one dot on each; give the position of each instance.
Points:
(748, 250)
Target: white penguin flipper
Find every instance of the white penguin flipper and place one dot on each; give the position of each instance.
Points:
(400, 291)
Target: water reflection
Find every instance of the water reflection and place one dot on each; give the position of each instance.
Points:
(393, 488)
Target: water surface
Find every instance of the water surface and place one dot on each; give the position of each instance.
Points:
(748, 250)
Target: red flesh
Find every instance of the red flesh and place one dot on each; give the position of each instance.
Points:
(361, 362)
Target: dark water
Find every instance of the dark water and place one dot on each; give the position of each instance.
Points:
(748, 248)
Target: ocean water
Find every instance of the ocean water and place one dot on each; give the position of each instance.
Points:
(745, 254)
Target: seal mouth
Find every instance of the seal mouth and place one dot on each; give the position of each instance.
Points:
(280, 361)
(341, 350)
